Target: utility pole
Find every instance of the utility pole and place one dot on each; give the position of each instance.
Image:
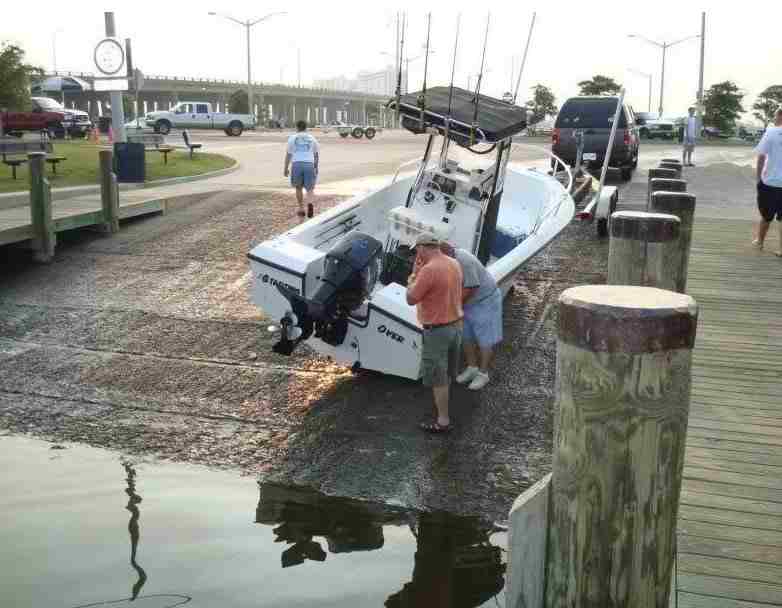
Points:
(298, 65)
(700, 79)
(662, 82)
(117, 111)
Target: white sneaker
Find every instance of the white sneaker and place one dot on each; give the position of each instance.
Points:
(757, 244)
(467, 375)
(481, 379)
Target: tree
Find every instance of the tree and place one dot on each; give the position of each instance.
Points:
(600, 85)
(767, 103)
(722, 106)
(15, 77)
(542, 104)
(238, 102)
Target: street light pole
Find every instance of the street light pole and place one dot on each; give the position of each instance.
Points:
(664, 46)
(649, 78)
(247, 25)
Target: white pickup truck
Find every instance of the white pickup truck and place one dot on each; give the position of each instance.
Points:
(198, 115)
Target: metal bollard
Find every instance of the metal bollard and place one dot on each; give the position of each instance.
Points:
(623, 377)
(682, 205)
(44, 236)
(645, 250)
(109, 195)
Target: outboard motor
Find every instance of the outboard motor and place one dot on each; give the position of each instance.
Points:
(350, 271)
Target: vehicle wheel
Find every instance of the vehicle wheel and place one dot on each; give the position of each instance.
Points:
(369, 133)
(602, 227)
(163, 127)
(236, 128)
(627, 174)
(343, 134)
(358, 132)
(635, 162)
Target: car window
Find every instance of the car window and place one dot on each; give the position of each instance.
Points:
(202, 108)
(589, 113)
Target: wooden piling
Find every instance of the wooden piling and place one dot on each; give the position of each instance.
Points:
(109, 192)
(682, 205)
(645, 250)
(44, 236)
(676, 161)
(664, 172)
(657, 184)
(677, 166)
(623, 379)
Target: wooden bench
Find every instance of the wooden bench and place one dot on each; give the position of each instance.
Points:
(152, 141)
(18, 150)
(190, 145)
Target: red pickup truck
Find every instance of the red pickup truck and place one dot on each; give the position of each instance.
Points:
(47, 115)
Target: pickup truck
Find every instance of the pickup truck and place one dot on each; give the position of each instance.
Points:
(47, 115)
(650, 126)
(198, 115)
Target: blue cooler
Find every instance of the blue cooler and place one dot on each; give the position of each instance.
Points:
(506, 238)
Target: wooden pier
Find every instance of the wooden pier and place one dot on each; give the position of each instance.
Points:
(730, 516)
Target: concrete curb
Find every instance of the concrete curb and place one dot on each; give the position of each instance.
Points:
(16, 199)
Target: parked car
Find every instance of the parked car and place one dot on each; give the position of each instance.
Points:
(714, 133)
(198, 115)
(594, 117)
(47, 115)
(651, 126)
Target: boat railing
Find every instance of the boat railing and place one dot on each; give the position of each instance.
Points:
(551, 208)
(414, 161)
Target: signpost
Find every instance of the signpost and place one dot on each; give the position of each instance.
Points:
(109, 56)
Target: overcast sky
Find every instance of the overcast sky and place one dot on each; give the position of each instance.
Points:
(570, 43)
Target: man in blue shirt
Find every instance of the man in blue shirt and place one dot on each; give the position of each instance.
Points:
(304, 152)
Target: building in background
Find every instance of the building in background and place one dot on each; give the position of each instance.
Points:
(382, 82)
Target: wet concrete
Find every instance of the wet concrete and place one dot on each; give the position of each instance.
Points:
(91, 528)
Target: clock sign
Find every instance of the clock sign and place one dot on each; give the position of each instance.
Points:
(109, 56)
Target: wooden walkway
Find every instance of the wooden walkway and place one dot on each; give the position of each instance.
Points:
(730, 516)
(77, 212)
(730, 519)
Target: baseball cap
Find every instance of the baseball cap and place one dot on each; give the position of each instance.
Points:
(426, 239)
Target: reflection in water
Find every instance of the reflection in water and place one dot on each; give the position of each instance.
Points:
(455, 563)
(133, 527)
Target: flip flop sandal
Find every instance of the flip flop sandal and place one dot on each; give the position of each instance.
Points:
(310, 211)
(434, 428)
(301, 214)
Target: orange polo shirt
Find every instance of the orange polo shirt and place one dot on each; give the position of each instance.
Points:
(437, 291)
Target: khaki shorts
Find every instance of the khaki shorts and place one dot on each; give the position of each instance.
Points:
(441, 354)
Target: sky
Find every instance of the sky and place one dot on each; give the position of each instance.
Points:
(569, 43)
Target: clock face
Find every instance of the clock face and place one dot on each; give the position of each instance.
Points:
(109, 56)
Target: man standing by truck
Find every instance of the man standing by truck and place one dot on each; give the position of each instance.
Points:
(304, 154)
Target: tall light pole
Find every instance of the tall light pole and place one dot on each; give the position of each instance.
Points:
(645, 75)
(664, 46)
(247, 25)
(700, 77)
(54, 48)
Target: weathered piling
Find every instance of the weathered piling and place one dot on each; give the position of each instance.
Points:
(109, 192)
(645, 250)
(664, 172)
(676, 166)
(657, 184)
(682, 205)
(623, 380)
(44, 236)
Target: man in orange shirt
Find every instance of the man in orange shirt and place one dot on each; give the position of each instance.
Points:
(436, 288)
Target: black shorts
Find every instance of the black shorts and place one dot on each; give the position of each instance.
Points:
(769, 202)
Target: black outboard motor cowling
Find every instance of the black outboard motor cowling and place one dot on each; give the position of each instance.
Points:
(350, 271)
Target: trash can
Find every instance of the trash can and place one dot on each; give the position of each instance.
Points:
(129, 162)
(104, 122)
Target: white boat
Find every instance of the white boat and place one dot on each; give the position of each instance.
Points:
(337, 281)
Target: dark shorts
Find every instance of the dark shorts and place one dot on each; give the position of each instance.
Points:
(303, 174)
(769, 202)
(441, 354)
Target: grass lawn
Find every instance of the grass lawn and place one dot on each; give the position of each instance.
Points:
(82, 166)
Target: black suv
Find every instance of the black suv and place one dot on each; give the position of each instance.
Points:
(594, 115)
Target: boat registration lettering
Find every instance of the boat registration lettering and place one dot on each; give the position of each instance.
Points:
(382, 329)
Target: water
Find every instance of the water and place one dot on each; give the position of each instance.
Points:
(85, 527)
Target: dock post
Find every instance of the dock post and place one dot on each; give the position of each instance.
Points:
(44, 235)
(645, 250)
(623, 377)
(682, 205)
(109, 193)
(656, 184)
(659, 173)
(676, 166)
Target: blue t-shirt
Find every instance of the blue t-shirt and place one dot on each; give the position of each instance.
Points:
(302, 147)
(475, 276)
